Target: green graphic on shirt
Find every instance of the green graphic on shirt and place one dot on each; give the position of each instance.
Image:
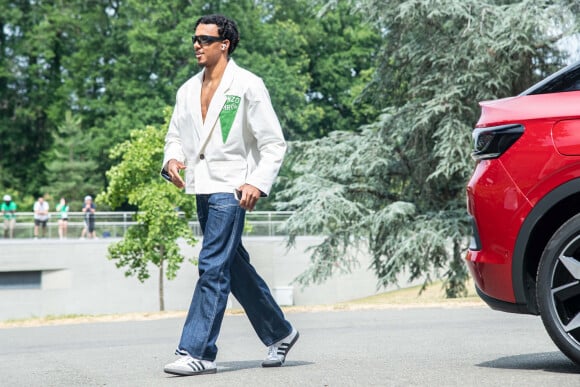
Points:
(228, 114)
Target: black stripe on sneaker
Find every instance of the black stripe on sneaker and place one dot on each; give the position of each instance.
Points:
(196, 365)
(287, 346)
(283, 349)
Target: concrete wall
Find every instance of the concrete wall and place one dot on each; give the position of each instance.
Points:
(77, 278)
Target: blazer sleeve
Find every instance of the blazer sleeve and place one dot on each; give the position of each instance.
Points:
(173, 142)
(267, 132)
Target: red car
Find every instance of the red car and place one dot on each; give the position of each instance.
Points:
(524, 201)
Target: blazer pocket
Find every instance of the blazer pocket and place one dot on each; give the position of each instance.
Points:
(232, 172)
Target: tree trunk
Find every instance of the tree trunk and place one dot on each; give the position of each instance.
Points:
(161, 294)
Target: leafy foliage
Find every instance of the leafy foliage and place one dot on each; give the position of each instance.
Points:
(154, 239)
(397, 187)
(117, 65)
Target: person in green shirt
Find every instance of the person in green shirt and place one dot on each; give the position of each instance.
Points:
(8, 209)
(62, 209)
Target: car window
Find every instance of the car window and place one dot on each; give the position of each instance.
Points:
(565, 81)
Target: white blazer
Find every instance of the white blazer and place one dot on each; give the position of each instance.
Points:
(241, 140)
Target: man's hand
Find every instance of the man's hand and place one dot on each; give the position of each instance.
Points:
(173, 168)
(249, 197)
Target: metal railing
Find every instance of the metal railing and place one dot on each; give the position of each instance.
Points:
(115, 224)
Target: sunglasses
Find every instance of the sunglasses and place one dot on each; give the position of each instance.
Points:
(205, 40)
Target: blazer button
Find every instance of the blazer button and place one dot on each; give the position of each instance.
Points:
(201, 156)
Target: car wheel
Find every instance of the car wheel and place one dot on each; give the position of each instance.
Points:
(558, 288)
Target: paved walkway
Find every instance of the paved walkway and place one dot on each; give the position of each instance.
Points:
(460, 346)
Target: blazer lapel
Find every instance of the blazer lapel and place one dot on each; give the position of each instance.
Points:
(196, 107)
(218, 101)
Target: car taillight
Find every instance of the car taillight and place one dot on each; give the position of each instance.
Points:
(490, 143)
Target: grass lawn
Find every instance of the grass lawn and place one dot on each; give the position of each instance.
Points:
(432, 296)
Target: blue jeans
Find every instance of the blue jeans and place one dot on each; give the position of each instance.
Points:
(224, 266)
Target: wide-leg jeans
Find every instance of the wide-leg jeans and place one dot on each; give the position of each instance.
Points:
(224, 266)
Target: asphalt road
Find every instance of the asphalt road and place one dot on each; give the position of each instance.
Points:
(460, 346)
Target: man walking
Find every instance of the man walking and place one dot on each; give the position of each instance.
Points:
(226, 136)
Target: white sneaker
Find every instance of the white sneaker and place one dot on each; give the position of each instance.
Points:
(278, 351)
(187, 366)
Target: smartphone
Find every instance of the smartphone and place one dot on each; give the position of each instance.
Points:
(238, 194)
(165, 175)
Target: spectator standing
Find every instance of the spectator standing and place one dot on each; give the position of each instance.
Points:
(8, 208)
(89, 211)
(41, 208)
(62, 208)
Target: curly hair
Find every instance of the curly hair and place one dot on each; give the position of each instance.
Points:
(227, 28)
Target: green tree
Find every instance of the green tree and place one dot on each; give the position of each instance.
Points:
(163, 210)
(30, 60)
(315, 67)
(113, 64)
(397, 188)
(342, 49)
(70, 171)
(116, 65)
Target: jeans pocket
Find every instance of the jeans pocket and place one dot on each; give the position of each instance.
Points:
(223, 201)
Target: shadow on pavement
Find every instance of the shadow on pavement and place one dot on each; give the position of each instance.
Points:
(547, 361)
(248, 364)
(228, 366)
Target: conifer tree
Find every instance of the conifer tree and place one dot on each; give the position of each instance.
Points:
(70, 171)
(397, 188)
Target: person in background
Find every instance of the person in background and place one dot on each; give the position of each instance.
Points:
(8, 208)
(41, 208)
(89, 211)
(226, 136)
(62, 208)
